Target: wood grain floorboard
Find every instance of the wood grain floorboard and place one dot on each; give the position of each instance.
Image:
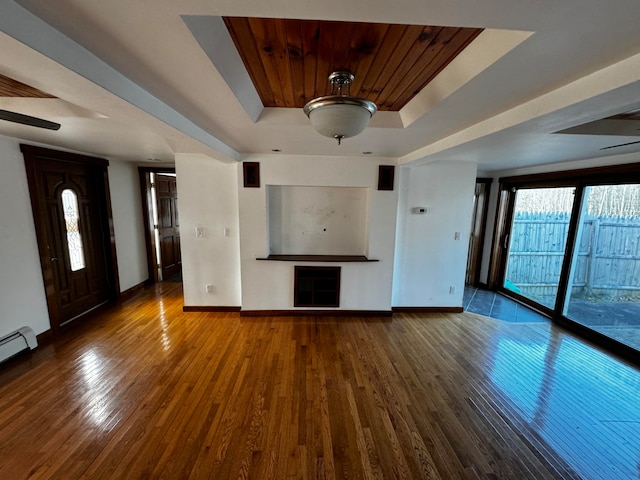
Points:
(147, 391)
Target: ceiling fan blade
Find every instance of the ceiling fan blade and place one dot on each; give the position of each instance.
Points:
(28, 120)
(621, 145)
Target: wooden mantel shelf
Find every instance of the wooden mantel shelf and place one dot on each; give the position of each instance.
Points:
(318, 258)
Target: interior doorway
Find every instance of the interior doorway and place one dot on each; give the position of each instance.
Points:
(72, 216)
(162, 232)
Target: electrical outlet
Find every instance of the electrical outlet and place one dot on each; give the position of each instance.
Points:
(452, 290)
(456, 236)
(226, 232)
(199, 232)
(209, 288)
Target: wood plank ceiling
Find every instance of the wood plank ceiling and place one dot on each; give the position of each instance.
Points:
(12, 88)
(289, 60)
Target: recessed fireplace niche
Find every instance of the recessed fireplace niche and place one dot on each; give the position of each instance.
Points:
(316, 286)
(318, 221)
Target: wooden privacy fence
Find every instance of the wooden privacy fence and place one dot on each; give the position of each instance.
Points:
(607, 264)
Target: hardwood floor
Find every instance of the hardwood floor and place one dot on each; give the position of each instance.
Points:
(146, 391)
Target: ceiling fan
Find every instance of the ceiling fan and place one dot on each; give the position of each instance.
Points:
(621, 145)
(625, 124)
(28, 120)
(13, 88)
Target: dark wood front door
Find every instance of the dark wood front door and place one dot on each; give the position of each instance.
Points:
(168, 225)
(69, 200)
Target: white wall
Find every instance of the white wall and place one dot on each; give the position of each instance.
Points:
(208, 198)
(22, 298)
(268, 285)
(428, 259)
(128, 223)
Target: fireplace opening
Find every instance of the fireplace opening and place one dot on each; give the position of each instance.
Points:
(316, 287)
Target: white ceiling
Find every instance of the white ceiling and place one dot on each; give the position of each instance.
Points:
(148, 79)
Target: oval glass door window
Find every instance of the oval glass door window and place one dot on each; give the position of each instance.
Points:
(72, 224)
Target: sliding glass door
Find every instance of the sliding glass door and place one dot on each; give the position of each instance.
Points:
(568, 244)
(604, 281)
(537, 242)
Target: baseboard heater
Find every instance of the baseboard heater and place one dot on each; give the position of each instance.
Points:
(16, 342)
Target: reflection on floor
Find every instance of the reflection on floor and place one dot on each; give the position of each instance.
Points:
(575, 396)
(579, 399)
(618, 320)
(491, 304)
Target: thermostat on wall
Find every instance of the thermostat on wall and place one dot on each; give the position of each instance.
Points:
(421, 210)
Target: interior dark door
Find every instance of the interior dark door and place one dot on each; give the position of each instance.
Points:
(68, 200)
(168, 225)
(478, 225)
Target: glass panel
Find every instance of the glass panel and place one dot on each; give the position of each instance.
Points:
(537, 242)
(72, 224)
(604, 292)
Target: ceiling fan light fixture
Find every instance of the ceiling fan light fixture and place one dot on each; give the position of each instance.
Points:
(340, 115)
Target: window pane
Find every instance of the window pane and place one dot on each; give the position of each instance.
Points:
(604, 292)
(537, 242)
(74, 239)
